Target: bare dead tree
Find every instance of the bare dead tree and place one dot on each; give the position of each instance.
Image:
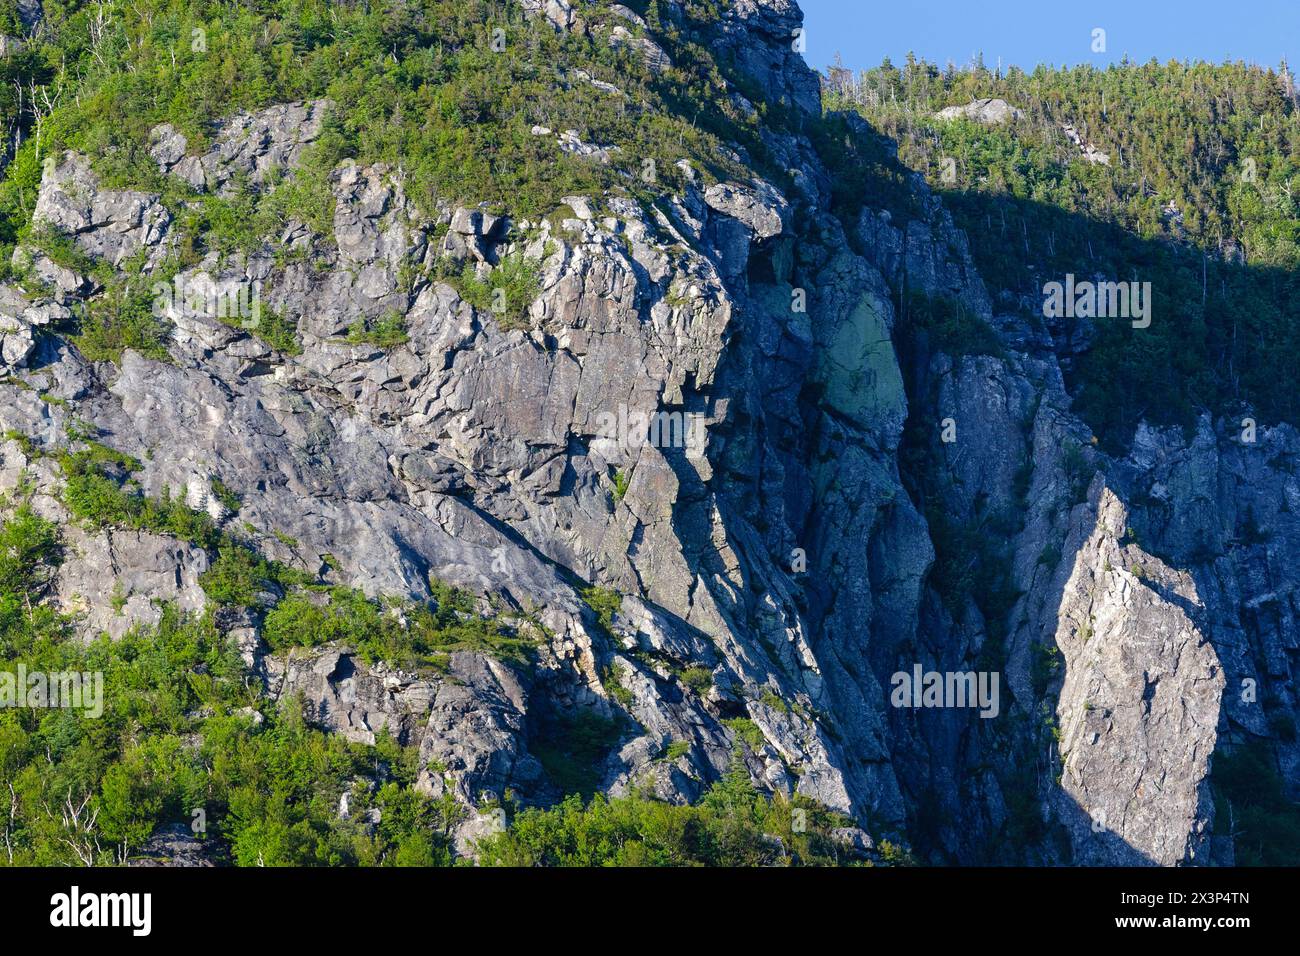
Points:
(99, 27)
(79, 826)
(9, 826)
(42, 104)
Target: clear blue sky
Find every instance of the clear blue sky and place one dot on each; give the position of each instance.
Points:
(1029, 32)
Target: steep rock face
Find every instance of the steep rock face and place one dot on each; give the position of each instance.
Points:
(20, 322)
(1210, 512)
(107, 224)
(250, 146)
(790, 545)
(471, 453)
(1222, 504)
(1139, 706)
(1182, 542)
(116, 580)
(475, 452)
(173, 846)
(765, 38)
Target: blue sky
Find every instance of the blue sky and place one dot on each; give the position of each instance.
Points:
(1027, 32)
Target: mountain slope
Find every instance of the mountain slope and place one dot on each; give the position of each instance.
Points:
(551, 400)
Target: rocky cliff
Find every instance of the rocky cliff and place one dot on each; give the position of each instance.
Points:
(850, 496)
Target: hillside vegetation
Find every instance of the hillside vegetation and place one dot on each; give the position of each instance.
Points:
(1199, 198)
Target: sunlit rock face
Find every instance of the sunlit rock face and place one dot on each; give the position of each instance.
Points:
(846, 471)
(1139, 705)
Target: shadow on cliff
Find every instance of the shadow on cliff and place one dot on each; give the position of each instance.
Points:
(1193, 356)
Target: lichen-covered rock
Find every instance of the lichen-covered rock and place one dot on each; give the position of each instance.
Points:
(174, 845)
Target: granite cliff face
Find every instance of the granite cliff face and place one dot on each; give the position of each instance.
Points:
(787, 547)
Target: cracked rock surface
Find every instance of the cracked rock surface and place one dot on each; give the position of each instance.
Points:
(774, 578)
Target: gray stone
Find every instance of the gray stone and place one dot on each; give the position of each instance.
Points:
(989, 111)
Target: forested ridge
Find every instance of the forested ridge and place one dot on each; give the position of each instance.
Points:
(1199, 197)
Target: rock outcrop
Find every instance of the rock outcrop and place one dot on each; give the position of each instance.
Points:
(776, 569)
(173, 846)
(989, 111)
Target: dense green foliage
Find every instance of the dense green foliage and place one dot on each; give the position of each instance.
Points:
(1221, 142)
(28, 548)
(429, 86)
(731, 826)
(404, 633)
(947, 326)
(1198, 200)
(180, 732)
(506, 292)
(98, 489)
(389, 331)
(573, 751)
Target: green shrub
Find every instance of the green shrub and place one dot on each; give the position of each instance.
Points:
(611, 679)
(387, 332)
(122, 317)
(698, 679)
(606, 603)
(274, 328)
(404, 633)
(951, 327)
(29, 551)
(732, 825)
(237, 577)
(1045, 666)
(229, 500)
(676, 750)
(98, 489)
(171, 739)
(507, 292)
(621, 481)
(572, 750)
(746, 731)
